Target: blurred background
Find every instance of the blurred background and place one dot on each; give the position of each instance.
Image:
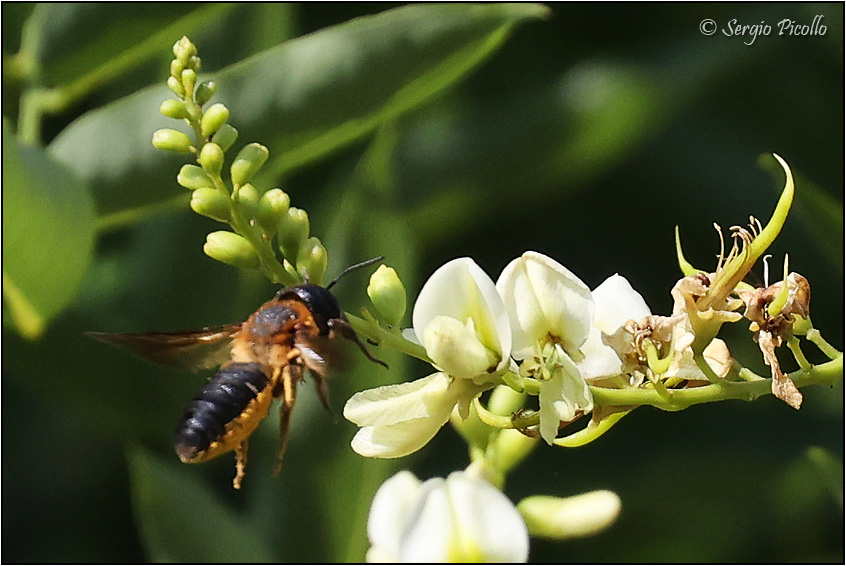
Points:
(587, 135)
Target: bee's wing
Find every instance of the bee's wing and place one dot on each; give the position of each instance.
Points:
(195, 349)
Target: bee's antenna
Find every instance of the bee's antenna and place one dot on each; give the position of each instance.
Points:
(354, 267)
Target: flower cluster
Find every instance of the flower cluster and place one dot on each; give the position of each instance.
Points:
(542, 332)
(258, 218)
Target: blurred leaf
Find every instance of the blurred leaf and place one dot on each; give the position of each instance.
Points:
(48, 234)
(74, 46)
(830, 471)
(303, 99)
(165, 502)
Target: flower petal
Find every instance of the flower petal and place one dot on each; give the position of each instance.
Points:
(544, 298)
(392, 404)
(464, 519)
(400, 439)
(455, 348)
(489, 519)
(561, 397)
(616, 304)
(460, 289)
(384, 524)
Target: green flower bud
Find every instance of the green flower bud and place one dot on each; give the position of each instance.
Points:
(214, 117)
(193, 63)
(212, 203)
(172, 140)
(577, 516)
(211, 159)
(193, 177)
(387, 294)
(247, 198)
(175, 85)
(205, 90)
(312, 260)
(176, 68)
(173, 109)
(183, 49)
(248, 162)
(272, 207)
(225, 137)
(293, 231)
(232, 249)
(189, 80)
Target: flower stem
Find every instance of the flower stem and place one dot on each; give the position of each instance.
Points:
(387, 337)
(816, 338)
(678, 399)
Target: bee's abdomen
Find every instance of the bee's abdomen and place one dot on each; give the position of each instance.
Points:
(226, 397)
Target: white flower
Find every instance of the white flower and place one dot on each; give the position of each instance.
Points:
(610, 350)
(461, 321)
(616, 303)
(460, 519)
(397, 420)
(551, 314)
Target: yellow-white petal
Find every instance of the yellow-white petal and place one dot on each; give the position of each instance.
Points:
(460, 289)
(544, 298)
(392, 404)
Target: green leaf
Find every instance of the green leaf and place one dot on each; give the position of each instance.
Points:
(303, 99)
(166, 500)
(74, 47)
(48, 234)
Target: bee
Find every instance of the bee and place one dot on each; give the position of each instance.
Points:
(262, 359)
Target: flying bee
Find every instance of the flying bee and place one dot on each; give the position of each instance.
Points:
(260, 360)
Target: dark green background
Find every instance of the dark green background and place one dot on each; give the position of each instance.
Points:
(588, 136)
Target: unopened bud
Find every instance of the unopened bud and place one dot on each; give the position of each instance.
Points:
(272, 207)
(193, 63)
(211, 159)
(225, 137)
(577, 516)
(312, 260)
(192, 177)
(205, 90)
(248, 197)
(212, 203)
(173, 109)
(214, 117)
(172, 140)
(293, 230)
(387, 294)
(176, 68)
(184, 49)
(248, 162)
(232, 249)
(175, 85)
(189, 80)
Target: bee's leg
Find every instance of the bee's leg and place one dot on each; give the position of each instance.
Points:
(344, 328)
(291, 376)
(322, 391)
(240, 464)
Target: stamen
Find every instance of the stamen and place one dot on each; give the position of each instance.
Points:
(766, 261)
(721, 258)
(755, 225)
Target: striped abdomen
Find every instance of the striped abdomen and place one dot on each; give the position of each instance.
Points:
(224, 413)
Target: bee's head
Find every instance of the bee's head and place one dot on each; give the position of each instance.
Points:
(321, 303)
